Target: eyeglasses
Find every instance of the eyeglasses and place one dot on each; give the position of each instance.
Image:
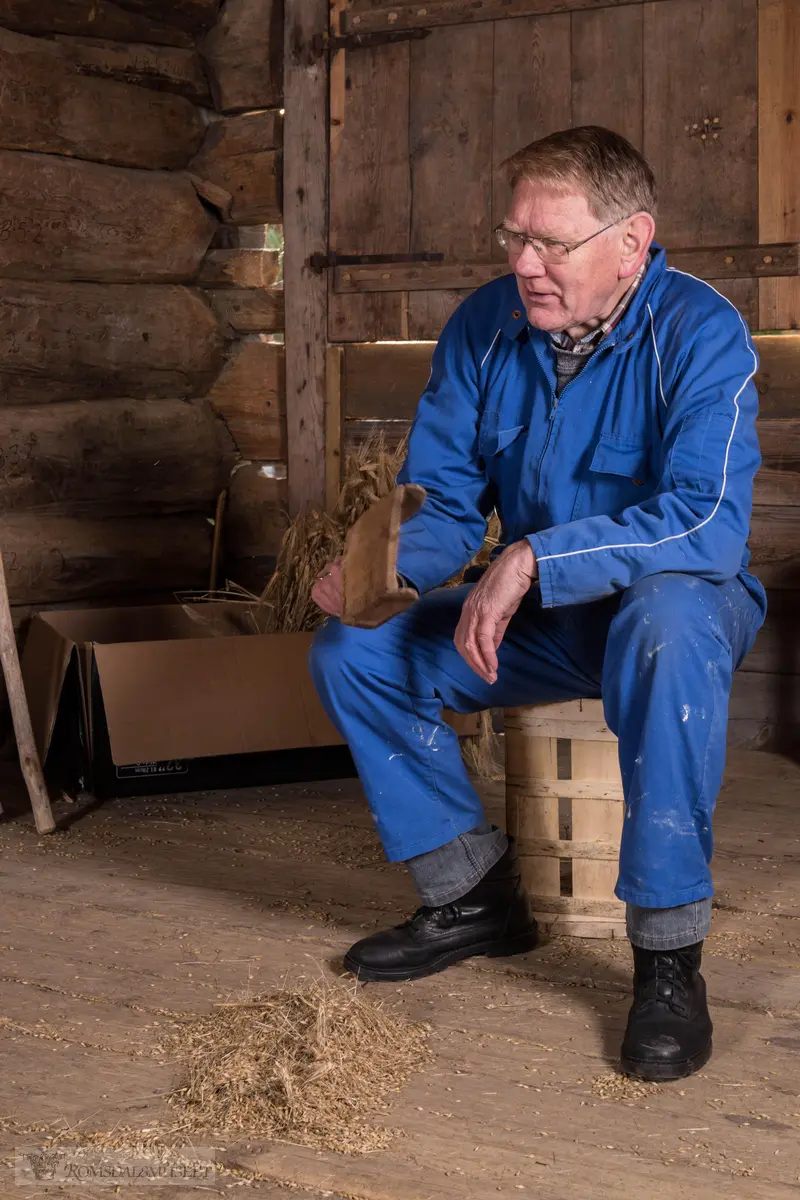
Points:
(549, 251)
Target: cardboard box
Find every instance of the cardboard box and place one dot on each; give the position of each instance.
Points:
(170, 698)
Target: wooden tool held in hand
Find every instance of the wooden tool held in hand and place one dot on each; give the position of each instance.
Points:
(26, 745)
(371, 593)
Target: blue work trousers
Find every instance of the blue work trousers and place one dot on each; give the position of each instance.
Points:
(662, 656)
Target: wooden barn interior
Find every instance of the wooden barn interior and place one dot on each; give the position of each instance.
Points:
(231, 232)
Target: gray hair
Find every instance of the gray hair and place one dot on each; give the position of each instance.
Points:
(616, 179)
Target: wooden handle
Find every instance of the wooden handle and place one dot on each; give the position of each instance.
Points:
(20, 715)
(370, 591)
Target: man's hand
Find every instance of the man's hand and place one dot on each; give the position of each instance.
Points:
(327, 591)
(490, 606)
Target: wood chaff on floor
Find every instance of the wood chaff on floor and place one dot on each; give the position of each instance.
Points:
(142, 911)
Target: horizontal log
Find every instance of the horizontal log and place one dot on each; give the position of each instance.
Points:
(726, 262)
(250, 395)
(249, 310)
(59, 341)
(240, 269)
(63, 219)
(46, 104)
(165, 68)
(55, 559)
(90, 18)
(238, 156)
(247, 133)
(112, 458)
(366, 17)
(192, 16)
(244, 54)
(255, 515)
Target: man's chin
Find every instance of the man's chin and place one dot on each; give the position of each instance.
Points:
(548, 321)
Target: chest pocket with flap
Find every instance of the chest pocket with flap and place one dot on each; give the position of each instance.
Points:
(494, 436)
(619, 476)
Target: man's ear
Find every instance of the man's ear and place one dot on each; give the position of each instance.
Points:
(637, 234)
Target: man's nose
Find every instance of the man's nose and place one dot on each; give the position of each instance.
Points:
(529, 264)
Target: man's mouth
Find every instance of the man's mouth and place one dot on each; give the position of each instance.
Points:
(540, 297)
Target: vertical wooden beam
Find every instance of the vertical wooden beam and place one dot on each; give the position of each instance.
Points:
(333, 426)
(779, 151)
(305, 223)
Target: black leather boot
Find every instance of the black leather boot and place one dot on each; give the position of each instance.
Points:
(494, 919)
(669, 1027)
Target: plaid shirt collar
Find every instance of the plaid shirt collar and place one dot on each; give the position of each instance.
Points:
(591, 340)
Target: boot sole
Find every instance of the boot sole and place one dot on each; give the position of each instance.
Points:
(654, 1072)
(506, 948)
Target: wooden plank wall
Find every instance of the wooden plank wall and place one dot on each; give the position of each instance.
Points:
(140, 310)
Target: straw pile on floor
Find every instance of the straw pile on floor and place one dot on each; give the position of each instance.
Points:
(313, 1063)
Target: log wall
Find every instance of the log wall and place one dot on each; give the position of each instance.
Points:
(140, 310)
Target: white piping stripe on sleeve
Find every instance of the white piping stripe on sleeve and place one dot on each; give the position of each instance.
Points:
(674, 537)
(658, 356)
(491, 348)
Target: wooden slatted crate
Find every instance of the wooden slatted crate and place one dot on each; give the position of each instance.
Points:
(565, 808)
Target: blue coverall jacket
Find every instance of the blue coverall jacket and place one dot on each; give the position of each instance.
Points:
(644, 464)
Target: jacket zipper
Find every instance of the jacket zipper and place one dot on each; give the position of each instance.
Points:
(555, 402)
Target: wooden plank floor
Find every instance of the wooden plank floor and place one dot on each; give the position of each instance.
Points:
(141, 910)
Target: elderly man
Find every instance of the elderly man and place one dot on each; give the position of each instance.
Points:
(604, 404)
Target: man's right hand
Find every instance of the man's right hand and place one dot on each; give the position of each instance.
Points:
(327, 591)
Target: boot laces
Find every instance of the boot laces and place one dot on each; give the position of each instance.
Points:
(443, 914)
(668, 981)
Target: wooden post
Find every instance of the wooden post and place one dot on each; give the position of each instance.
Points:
(28, 754)
(333, 426)
(305, 221)
(778, 152)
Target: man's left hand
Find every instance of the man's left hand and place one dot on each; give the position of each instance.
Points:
(490, 606)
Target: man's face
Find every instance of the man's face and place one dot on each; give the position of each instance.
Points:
(572, 293)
